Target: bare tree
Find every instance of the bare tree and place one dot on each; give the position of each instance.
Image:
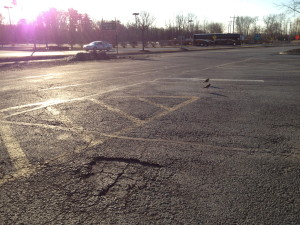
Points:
(274, 26)
(55, 25)
(294, 28)
(144, 21)
(244, 23)
(74, 19)
(215, 27)
(170, 30)
(181, 23)
(293, 6)
(192, 24)
(87, 29)
(256, 29)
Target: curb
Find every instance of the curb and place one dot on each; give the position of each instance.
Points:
(115, 55)
(30, 58)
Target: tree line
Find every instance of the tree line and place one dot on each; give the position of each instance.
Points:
(71, 27)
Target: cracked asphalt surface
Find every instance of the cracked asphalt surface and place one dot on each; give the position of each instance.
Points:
(140, 141)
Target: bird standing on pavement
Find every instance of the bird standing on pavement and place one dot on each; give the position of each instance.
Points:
(206, 80)
(207, 86)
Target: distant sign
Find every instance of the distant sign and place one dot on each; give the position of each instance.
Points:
(109, 26)
(257, 37)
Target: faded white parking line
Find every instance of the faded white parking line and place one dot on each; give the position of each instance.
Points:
(238, 80)
(39, 105)
(87, 137)
(125, 115)
(46, 75)
(201, 80)
(18, 157)
(14, 150)
(53, 102)
(225, 64)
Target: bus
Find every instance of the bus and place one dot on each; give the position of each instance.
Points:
(217, 39)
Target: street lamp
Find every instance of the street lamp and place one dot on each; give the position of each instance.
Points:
(136, 19)
(135, 15)
(229, 26)
(190, 22)
(8, 7)
(10, 32)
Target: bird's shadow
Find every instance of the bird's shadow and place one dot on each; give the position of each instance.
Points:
(215, 87)
(217, 94)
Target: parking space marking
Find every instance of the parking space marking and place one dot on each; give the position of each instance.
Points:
(20, 107)
(18, 157)
(86, 136)
(118, 111)
(190, 100)
(238, 80)
(40, 105)
(154, 103)
(13, 147)
(211, 79)
(173, 109)
(138, 73)
(46, 75)
(21, 162)
(172, 142)
(225, 64)
(53, 102)
(71, 85)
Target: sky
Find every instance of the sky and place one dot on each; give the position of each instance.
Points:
(164, 11)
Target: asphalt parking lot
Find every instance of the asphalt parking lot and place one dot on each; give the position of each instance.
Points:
(142, 141)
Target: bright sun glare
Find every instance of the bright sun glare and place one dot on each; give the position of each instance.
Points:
(30, 9)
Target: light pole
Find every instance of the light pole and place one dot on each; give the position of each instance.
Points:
(233, 21)
(7, 7)
(229, 26)
(10, 33)
(190, 22)
(136, 15)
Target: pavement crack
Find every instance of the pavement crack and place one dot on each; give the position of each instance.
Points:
(107, 172)
(124, 160)
(105, 190)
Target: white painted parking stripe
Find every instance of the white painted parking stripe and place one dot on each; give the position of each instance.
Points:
(201, 80)
(238, 80)
(46, 75)
(14, 150)
(18, 157)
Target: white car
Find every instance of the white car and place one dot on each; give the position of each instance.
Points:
(98, 45)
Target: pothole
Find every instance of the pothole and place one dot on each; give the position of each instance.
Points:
(117, 176)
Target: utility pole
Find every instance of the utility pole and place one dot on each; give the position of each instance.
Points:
(233, 21)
